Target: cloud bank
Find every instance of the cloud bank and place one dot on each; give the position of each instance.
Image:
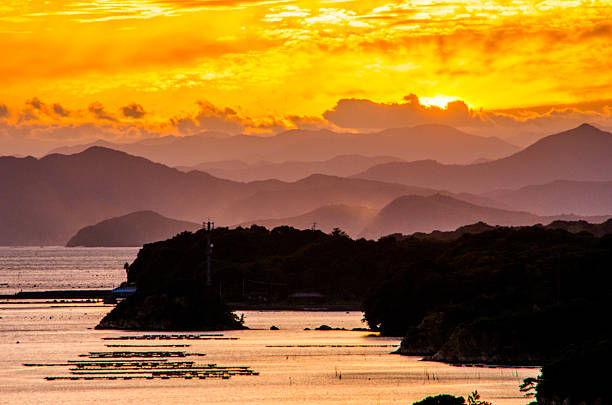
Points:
(39, 126)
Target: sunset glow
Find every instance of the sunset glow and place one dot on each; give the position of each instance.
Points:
(275, 64)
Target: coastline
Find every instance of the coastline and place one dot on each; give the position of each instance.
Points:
(101, 294)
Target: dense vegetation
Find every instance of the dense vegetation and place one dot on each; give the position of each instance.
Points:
(271, 265)
(576, 376)
(504, 295)
(173, 307)
(502, 271)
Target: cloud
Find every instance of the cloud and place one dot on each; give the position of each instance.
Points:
(212, 118)
(133, 111)
(232, 121)
(27, 115)
(59, 110)
(309, 122)
(35, 103)
(227, 120)
(366, 114)
(4, 112)
(97, 109)
(600, 30)
(185, 125)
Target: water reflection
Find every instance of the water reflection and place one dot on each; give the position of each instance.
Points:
(327, 367)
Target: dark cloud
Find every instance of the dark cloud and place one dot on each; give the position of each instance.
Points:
(4, 112)
(35, 103)
(59, 110)
(133, 111)
(97, 109)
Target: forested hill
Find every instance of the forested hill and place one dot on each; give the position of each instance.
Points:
(440, 292)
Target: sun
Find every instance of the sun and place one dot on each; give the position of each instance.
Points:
(438, 100)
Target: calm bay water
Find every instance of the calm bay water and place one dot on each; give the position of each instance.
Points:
(43, 332)
(61, 268)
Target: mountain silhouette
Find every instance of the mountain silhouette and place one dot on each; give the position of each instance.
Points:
(580, 154)
(349, 219)
(411, 214)
(604, 228)
(46, 201)
(315, 191)
(561, 196)
(439, 142)
(133, 229)
(343, 165)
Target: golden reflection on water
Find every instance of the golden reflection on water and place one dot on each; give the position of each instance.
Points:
(49, 333)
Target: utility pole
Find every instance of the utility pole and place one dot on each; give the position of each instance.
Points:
(209, 227)
(314, 226)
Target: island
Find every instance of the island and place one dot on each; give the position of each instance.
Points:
(133, 229)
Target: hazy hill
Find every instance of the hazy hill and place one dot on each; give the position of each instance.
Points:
(442, 143)
(412, 214)
(561, 196)
(133, 229)
(344, 165)
(602, 229)
(350, 219)
(45, 201)
(315, 191)
(582, 154)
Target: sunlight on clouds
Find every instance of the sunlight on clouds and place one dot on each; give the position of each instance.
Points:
(298, 57)
(438, 100)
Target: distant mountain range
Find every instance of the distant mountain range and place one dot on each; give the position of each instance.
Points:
(134, 229)
(45, 201)
(581, 154)
(352, 220)
(411, 214)
(439, 142)
(560, 196)
(237, 170)
(142, 227)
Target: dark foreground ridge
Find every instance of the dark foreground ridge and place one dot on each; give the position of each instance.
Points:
(504, 296)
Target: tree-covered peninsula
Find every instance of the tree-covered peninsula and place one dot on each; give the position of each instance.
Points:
(501, 296)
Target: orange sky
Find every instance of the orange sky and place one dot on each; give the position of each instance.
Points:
(145, 65)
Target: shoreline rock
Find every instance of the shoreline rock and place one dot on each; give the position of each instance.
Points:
(172, 311)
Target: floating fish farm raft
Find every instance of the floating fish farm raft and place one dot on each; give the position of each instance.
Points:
(148, 365)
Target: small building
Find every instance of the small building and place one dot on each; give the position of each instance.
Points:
(124, 291)
(120, 293)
